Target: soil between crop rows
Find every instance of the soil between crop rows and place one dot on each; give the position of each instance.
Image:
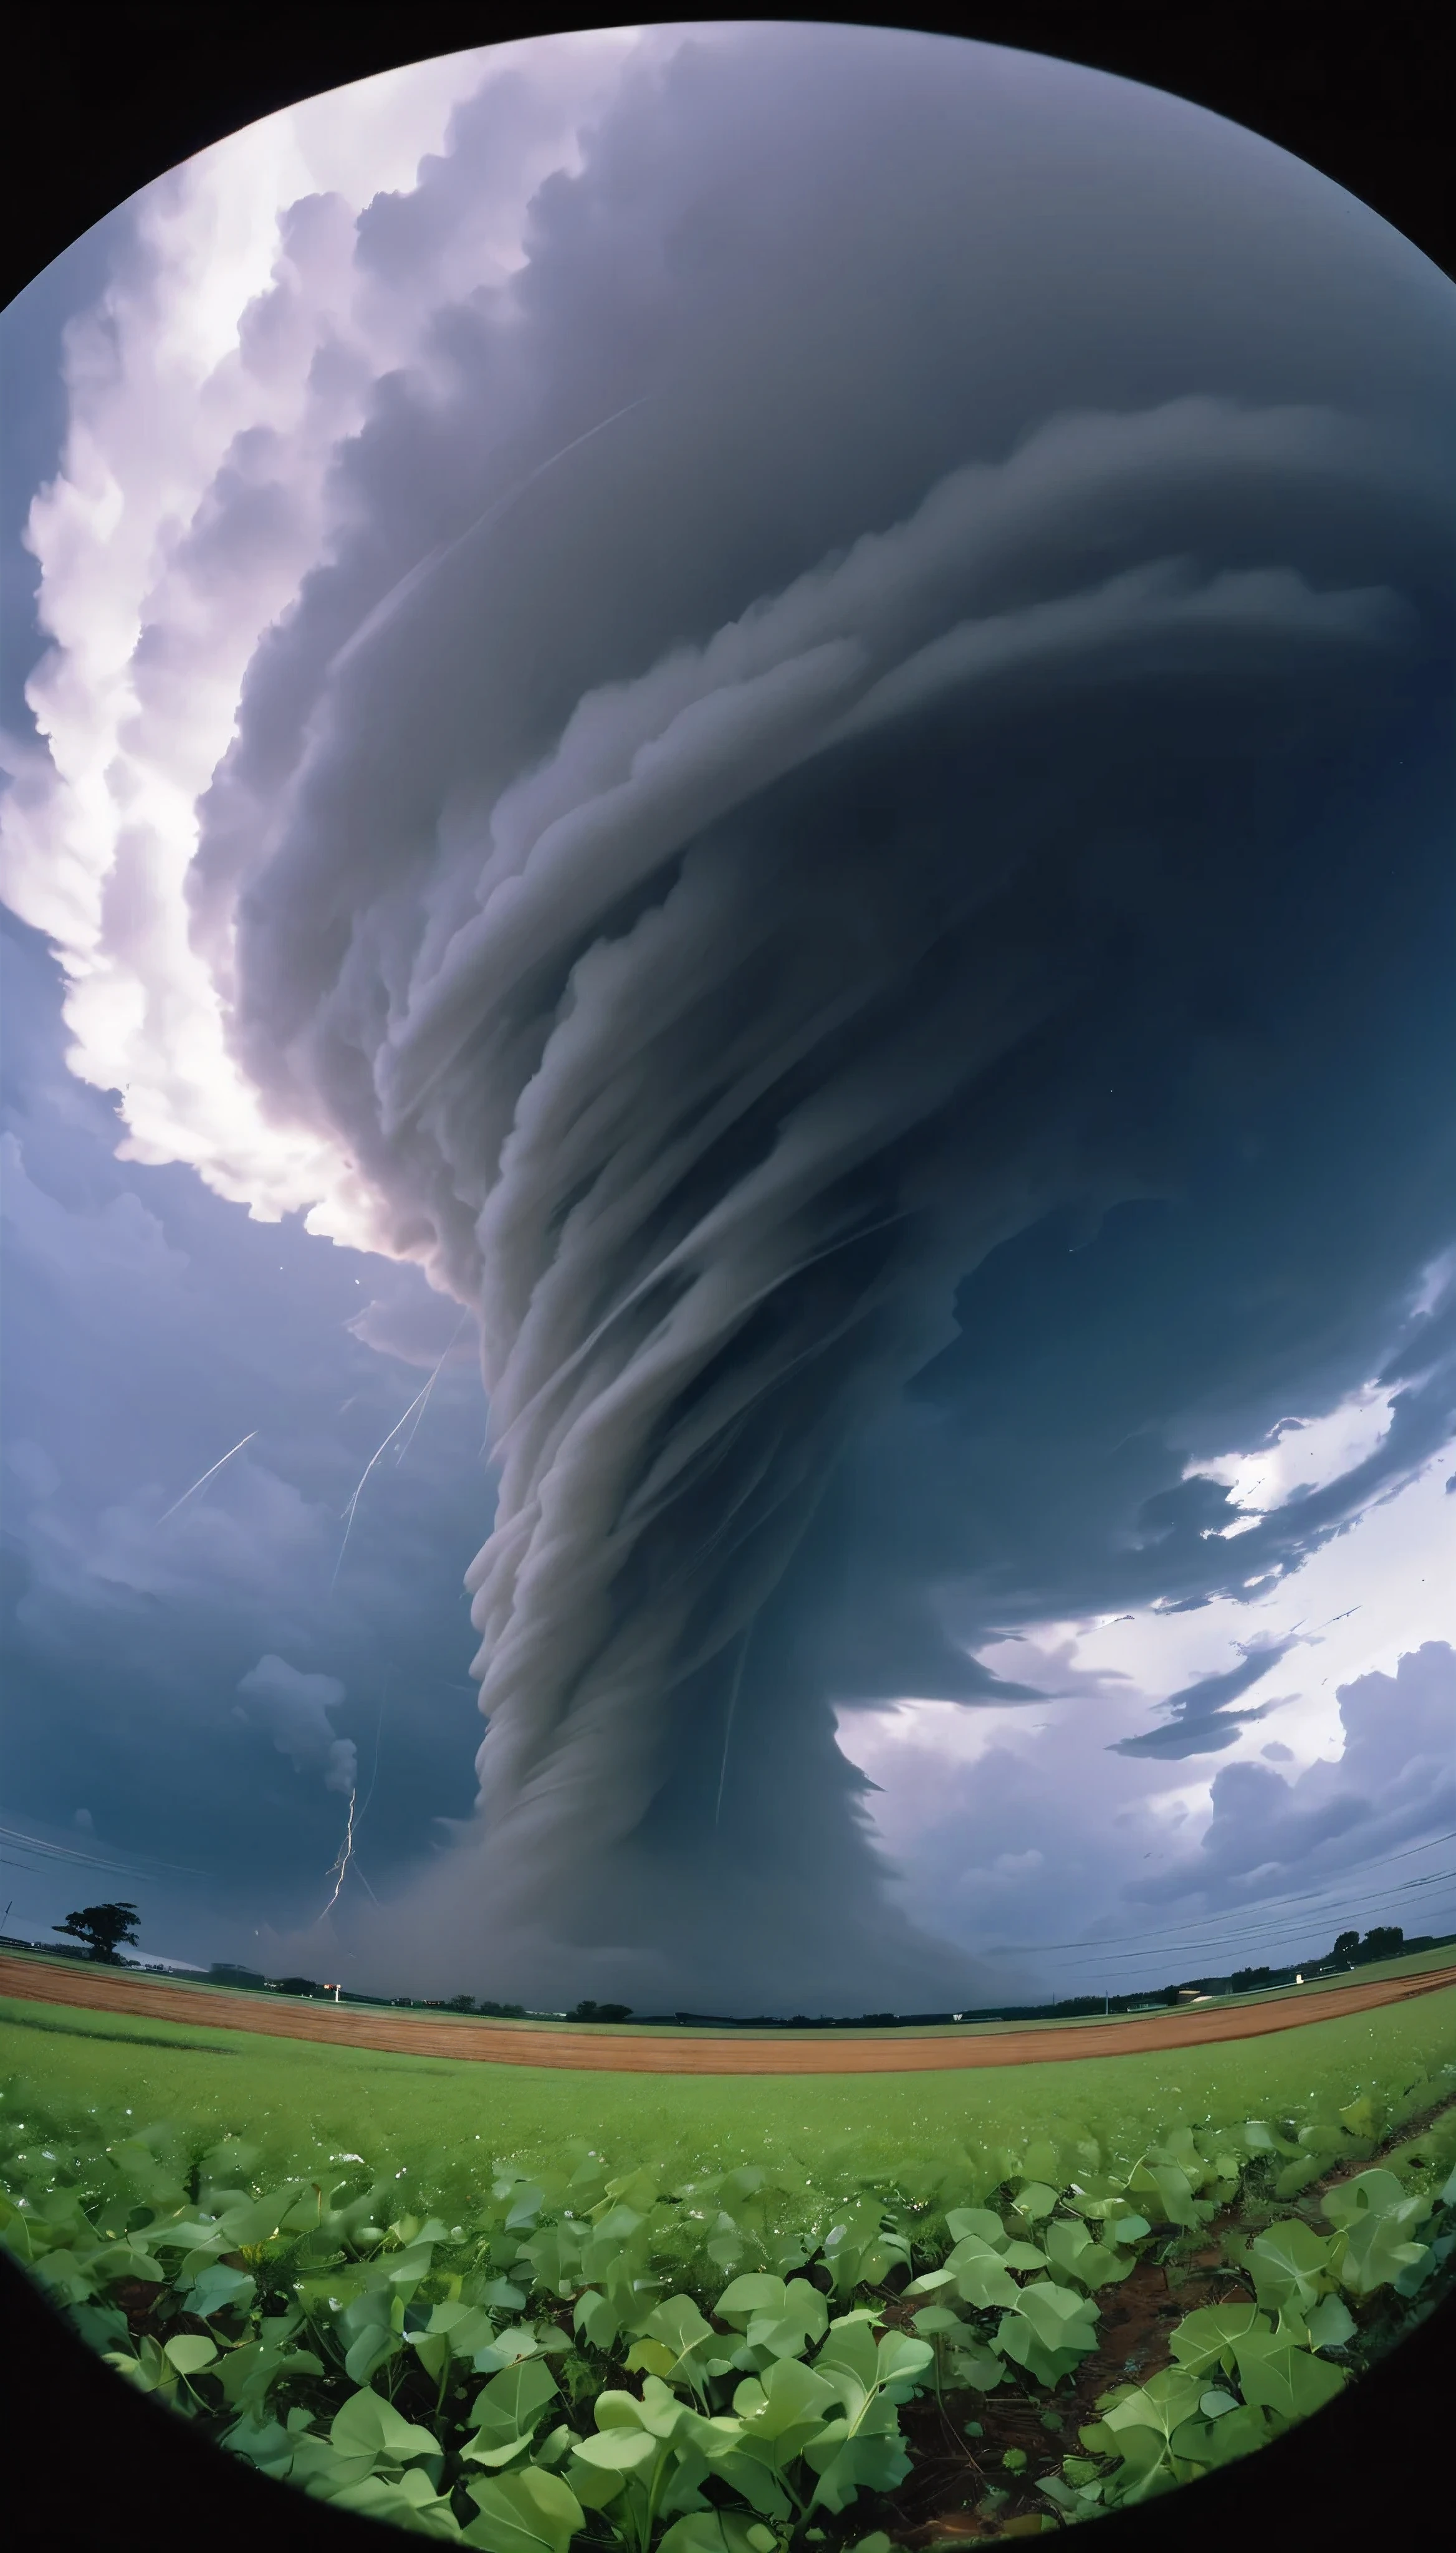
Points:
(945, 2499)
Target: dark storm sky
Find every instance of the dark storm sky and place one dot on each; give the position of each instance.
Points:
(1191, 754)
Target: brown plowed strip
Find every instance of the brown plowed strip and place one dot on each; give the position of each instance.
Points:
(496, 2042)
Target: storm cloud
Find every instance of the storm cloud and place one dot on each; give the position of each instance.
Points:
(1200, 1721)
(843, 751)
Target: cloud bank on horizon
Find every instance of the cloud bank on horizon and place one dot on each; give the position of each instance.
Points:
(826, 797)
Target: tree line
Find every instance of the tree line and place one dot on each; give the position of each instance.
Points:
(102, 1930)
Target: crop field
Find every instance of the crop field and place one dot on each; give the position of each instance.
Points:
(526, 2308)
(426, 2114)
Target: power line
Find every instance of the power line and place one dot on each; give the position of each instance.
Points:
(1329, 1888)
(1218, 1934)
(1219, 1946)
(133, 1868)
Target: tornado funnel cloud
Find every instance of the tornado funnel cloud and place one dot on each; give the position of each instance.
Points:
(918, 561)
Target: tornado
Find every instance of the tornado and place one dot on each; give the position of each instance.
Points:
(813, 735)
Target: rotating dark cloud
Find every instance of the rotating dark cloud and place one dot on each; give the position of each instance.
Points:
(849, 834)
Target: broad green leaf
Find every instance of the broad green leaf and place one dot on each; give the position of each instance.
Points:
(1323, 2137)
(1066, 2240)
(678, 2321)
(617, 2450)
(617, 2410)
(1289, 2381)
(516, 2342)
(1222, 2440)
(786, 2330)
(1023, 2256)
(981, 2277)
(594, 2489)
(899, 2359)
(1375, 2243)
(1290, 2261)
(265, 2443)
(258, 2220)
(1036, 2200)
(220, 2290)
(746, 2465)
(1298, 2176)
(979, 2368)
(790, 2397)
(524, 2513)
(506, 2413)
(1375, 2192)
(652, 2355)
(147, 2368)
(372, 2349)
(660, 2410)
(1059, 2319)
(190, 2351)
(555, 2258)
(1330, 2323)
(368, 2425)
(854, 2462)
(1016, 2339)
(497, 2295)
(686, 2345)
(847, 2361)
(410, 2503)
(1167, 2189)
(1161, 2406)
(717, 2531)
(1210, 2337)
(981, 2221)
(745, 2298)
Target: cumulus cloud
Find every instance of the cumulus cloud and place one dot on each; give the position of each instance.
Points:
(416, 1328)
(1394, 1782)
(781, 782)
(1071, 1872)
(294, 1709)
(235, 349)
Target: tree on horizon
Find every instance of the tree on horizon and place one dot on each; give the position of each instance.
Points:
(101, 1927)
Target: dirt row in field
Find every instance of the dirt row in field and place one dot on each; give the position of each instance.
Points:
(493, 2042)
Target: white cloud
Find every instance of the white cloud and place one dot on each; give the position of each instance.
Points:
(1392, 1785)
(102, 1260)
(209, 393)
(1301, 1455)
(294, 1709)
(1013, 1826)
(254, 1531)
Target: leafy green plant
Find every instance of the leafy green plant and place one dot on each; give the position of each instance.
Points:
(719, 2359)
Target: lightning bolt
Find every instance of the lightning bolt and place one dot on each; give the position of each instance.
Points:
(207, 1476)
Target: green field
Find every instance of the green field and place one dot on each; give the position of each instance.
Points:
(439, 2117)
(685, 2314)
